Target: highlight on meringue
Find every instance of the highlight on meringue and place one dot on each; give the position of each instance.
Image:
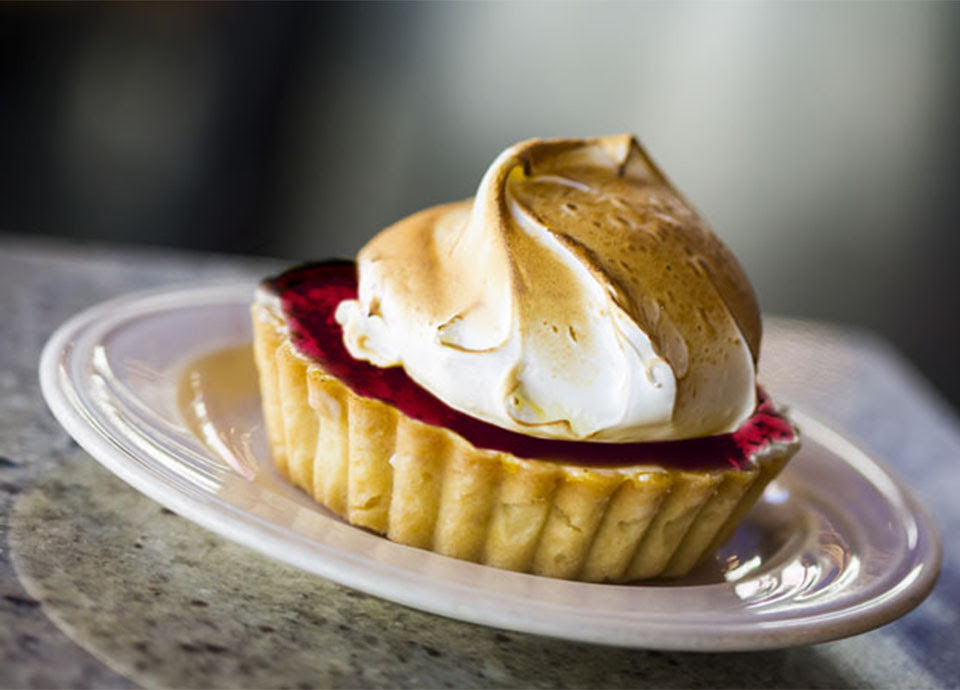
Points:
(577, 296)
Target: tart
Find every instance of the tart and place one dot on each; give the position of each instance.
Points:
(411, 392)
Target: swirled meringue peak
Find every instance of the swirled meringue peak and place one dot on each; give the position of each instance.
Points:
(577, 296)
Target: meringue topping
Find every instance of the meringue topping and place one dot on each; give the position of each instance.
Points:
(577, 297)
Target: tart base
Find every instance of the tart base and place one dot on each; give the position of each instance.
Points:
(427, 487)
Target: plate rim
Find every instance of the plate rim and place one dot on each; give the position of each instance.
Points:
(365, 573)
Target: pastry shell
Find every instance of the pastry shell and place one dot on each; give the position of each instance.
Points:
(427, 487)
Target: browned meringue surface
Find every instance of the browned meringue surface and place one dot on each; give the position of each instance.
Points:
(574, 253)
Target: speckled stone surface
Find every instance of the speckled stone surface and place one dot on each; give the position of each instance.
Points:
(101, 587)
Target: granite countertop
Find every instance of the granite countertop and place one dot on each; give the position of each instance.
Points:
(102, 587)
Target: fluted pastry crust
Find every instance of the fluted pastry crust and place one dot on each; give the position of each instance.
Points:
(427, 487)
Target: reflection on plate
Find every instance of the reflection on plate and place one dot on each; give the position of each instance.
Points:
(160, 388)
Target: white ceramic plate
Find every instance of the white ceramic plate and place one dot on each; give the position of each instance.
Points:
(835, 547)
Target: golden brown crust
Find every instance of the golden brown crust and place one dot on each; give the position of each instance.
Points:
(427, 487)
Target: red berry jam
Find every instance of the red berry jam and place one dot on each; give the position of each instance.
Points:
(309, 296)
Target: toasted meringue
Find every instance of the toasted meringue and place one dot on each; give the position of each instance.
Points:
(578, 296)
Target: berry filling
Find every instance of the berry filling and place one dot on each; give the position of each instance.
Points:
(309, 296)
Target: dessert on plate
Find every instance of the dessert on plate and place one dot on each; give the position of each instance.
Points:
(557, 376)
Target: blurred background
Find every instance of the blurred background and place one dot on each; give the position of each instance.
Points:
(821, 140)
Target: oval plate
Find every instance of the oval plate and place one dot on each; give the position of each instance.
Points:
(835, 547)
